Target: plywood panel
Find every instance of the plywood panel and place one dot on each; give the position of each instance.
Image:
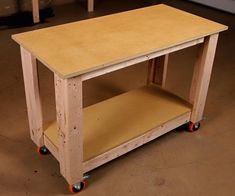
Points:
(136, 142)
(79, 47)
(117, 120)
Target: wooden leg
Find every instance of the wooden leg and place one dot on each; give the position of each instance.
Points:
(157, 70)
(35, 10)
(195, 73)
(69, 120)
(33, 101)
(90, 5)
(201, 77)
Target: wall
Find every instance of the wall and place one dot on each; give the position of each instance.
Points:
(226, 5)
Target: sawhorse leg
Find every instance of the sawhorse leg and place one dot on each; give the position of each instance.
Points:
(69, 121)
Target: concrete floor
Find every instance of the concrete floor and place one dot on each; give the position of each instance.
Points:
(178, 163)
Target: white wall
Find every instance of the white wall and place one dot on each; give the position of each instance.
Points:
(226, 5)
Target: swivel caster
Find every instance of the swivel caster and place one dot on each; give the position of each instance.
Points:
(76, 188)
(193, 126)
(43, 150)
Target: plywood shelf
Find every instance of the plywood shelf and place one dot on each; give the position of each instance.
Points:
(120, 119)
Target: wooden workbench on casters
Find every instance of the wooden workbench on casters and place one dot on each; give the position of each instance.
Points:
(78, 51)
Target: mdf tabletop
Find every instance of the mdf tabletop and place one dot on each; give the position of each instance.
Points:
(82, 139)
(80, 47)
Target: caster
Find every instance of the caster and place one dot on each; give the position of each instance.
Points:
(43, 150)
(76, 188)
(193, 126)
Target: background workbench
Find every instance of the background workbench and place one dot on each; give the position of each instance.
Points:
(35, 9)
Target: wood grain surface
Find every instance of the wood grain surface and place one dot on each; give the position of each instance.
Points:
(117, 120)
(80, 47)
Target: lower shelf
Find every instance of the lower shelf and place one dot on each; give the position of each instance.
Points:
(116, 121)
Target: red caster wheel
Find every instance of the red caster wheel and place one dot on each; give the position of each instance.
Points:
(76, 188)
(43, 150)
(193, 126)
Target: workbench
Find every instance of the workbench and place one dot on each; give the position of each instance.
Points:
(82, 139)
(35, 9)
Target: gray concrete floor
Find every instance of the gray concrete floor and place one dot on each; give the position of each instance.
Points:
(178, 163)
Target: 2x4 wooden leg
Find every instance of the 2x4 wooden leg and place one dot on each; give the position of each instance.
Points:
(90, 5)
(35, 11)
(33, 100)
(157, 70)
(69, 121)
(201, 77)
(69, 117)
